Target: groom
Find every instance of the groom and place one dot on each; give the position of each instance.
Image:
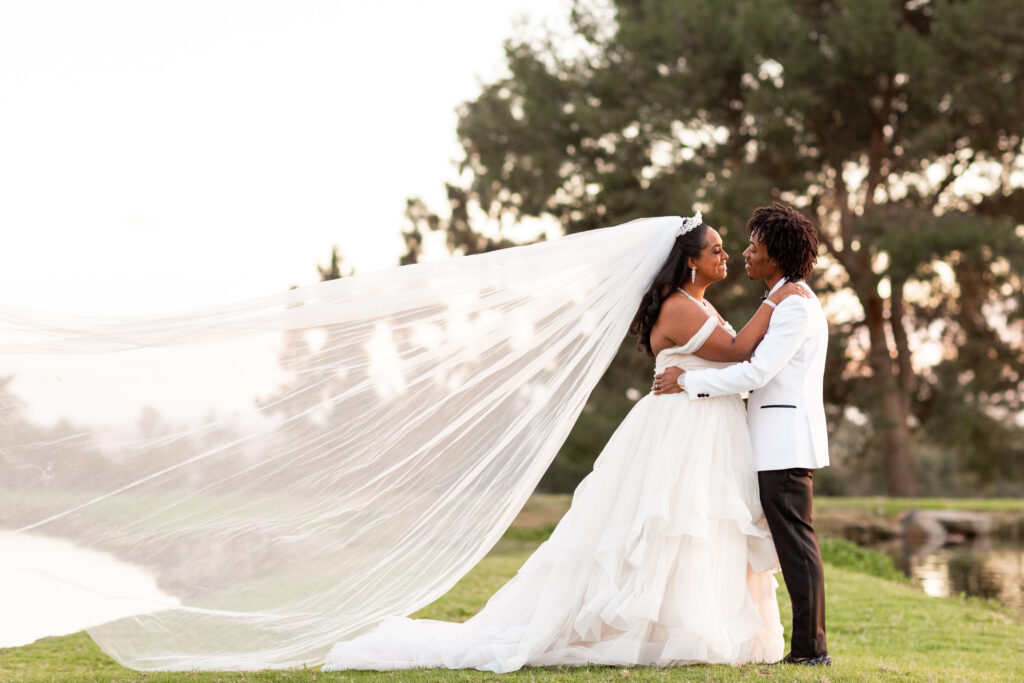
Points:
(785, 413)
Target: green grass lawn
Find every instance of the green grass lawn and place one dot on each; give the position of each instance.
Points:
(879, 627)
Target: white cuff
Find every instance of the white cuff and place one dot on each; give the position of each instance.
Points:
(770, 303)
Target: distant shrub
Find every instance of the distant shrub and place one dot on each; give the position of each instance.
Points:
(839, 552)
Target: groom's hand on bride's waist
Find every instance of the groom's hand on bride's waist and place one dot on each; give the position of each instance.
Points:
(667, 382)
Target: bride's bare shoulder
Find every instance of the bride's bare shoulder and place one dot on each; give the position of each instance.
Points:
(679, 302)
(679, 312)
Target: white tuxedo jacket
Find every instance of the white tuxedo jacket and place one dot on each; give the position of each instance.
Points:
(785, 407)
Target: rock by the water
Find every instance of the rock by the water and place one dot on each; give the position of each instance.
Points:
(941, 526)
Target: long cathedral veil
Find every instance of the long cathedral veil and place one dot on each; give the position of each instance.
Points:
(271, 477)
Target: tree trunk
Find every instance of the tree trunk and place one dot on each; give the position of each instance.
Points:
(894, 404)
(901, 474)
(893, 414)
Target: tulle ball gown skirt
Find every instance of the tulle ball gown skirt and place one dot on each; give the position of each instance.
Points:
(663, 559)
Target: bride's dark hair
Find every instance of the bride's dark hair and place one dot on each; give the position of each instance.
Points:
(671, 276)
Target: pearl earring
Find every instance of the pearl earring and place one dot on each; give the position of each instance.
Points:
(693, 275)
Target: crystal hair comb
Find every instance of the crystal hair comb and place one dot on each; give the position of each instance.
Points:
(689, 224)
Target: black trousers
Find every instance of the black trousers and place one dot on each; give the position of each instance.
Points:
(786, 496)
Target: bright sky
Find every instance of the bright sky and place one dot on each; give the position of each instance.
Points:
(161, 156)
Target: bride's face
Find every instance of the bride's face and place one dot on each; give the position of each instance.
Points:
(710, 266)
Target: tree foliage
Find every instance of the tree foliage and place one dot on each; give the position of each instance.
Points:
(460, 237)
(896, 125)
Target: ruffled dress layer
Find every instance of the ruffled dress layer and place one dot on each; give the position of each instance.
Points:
(663, 559)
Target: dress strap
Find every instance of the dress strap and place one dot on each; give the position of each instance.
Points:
(700, 336)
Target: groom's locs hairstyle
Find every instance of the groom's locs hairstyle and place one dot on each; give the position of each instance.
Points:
(790, 239)
(672, 275)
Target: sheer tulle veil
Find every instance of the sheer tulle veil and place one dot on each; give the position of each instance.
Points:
(274, 476)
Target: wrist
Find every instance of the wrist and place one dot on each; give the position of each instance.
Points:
(769, 302)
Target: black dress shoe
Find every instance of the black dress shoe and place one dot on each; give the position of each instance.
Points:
(822, 660)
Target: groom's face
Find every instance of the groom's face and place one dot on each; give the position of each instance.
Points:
(756, 260)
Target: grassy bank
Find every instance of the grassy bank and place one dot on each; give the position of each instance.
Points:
(547, 508)
(892, 507)
(880, 628)
(865, 519)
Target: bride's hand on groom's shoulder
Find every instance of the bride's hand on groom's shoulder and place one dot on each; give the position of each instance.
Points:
(667, 382)
(790, 289)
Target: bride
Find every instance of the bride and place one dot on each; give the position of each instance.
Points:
(664, 557)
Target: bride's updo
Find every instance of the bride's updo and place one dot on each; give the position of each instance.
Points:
(672, 275)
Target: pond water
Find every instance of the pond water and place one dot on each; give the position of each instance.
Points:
(50, 586)
(984, 567)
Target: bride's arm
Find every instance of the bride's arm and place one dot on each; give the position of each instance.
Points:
(722, 346)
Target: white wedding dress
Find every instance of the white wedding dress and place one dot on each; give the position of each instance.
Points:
(663, 559)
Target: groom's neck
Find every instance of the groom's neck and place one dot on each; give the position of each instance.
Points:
(771, 281)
